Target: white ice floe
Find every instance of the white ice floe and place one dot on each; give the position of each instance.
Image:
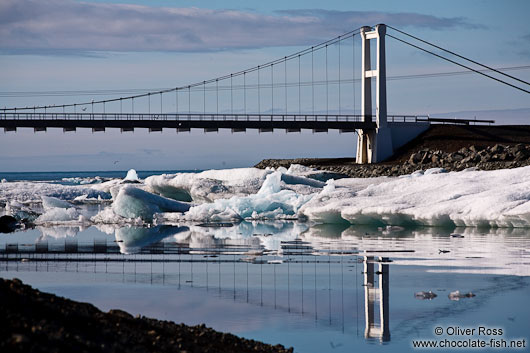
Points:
(51, 202)
(208, 185)
(132, 175)
(270, 202)
(211, 185)
(25, 191)
(499, 198)
(60, 212)
(131, 202)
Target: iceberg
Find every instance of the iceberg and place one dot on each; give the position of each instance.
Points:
(211, 185)
(50, 202)
(208, 185)
(499, 198)
(25, 191)
(270, 202)
(131, 202)
(132, 176)
(434, 197)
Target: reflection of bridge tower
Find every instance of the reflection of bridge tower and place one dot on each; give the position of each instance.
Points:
(373, 294)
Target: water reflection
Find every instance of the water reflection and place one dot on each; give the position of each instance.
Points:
(314, 277)
(132, 239)
(376, 289)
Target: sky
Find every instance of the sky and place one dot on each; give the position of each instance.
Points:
(56, 52)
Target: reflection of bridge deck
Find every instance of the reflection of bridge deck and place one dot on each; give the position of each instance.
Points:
(184, 122)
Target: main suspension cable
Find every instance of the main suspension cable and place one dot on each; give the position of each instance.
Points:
(457, 63)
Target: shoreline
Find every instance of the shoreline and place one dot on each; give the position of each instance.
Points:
(453, 148)
(42, 322)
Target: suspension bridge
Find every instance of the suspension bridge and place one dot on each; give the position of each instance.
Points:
(315, 89)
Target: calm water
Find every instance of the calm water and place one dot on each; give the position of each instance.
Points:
(316, 288)
(59, 176)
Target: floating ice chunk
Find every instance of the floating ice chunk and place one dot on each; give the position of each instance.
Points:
(58, 211)
(425, 295)
(132, 239)
(24, 191)
(311, 173)
(132, 176)
(435, 171)
(270, 202)
(105, 186)
(132, 202)
(56, 215)
(208, 185)
(456, 295)
(51, 202)
(499, 198)
(295, 179)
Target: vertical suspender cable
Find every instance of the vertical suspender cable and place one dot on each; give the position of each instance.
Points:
(299, 88)
(339, 75)
(272, 88)
(204, 97)
(231, 95)
(312, 80)
(189, 99)
(245, 91)
(177, 100)
(149, 102)
(285, 82)
(259, 101)
(161, 110)
(327, 86)
(132, 104)
(217, 93)
(353, 73)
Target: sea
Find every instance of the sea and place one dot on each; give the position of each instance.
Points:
(315, 287)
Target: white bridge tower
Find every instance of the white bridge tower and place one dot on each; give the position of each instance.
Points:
(374, 145)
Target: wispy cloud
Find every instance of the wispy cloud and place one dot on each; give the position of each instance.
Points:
(55, 26)
(350, 19)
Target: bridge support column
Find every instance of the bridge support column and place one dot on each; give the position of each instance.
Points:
(374, 145)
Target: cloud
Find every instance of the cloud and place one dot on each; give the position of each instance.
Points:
(353, 19)
(56, 26)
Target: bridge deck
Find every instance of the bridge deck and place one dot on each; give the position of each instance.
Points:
(188, 121)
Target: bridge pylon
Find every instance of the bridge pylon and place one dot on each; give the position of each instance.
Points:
(374, 145)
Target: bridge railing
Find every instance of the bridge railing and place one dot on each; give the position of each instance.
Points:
(180, 116)
(203, 117)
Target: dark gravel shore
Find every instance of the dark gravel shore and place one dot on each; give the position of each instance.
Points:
(450, 147)
(33, 321)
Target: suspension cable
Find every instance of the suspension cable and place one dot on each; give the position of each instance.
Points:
(201, 83)
(459, 64)
(460, 56)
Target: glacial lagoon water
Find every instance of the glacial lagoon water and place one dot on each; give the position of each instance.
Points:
(321, 288)
(299, 282)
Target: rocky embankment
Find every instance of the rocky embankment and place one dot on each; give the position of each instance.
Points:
(498, 156)
(33, 321)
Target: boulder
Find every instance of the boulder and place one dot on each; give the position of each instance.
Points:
(8, 224)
